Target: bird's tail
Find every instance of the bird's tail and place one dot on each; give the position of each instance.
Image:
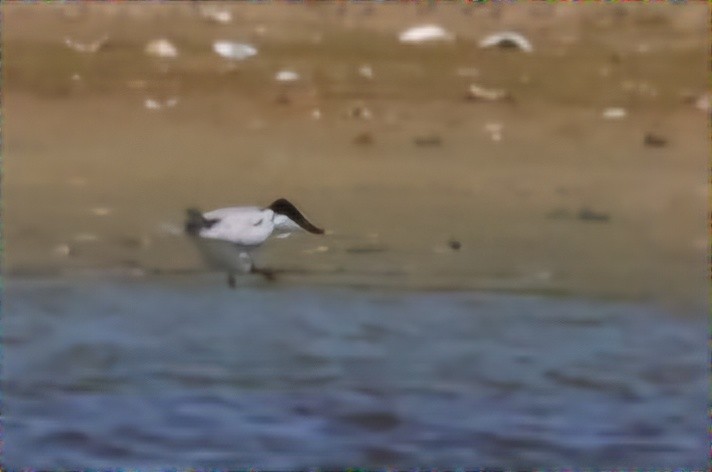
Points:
(195, 221)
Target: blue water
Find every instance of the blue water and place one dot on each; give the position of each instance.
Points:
(183, 372)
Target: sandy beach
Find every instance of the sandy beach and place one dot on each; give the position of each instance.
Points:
(396, 163)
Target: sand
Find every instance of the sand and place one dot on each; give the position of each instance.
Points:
(94, 180)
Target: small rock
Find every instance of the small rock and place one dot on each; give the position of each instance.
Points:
(216, 15)
(587, 214)
(364, 139)
(154, 104)
(286, 76)
(425, 33)
(495, 131)
(654, 140)
(454, 244)
(614, 113)
(62, 250)
(477, 92)
(366, 71)
(703, 103)
(283, 99)
(87, 48)
(428, 141)
(507, 40)
(360, 111)
(161, 48)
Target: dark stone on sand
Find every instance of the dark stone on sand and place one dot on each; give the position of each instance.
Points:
(654, 140)
(428, 141)
(587, 214)
(364, 139)
(454, 244)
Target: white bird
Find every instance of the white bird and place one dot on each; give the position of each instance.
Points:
(226, 237)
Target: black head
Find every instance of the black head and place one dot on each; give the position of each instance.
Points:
(285, 207)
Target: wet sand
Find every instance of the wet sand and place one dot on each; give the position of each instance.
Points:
(92, 178)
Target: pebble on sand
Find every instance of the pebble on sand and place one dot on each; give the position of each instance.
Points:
(87, 48)
(614, 113)
(154, 104)
(286, 76)
(494, 130)
(161, 48)
(587, 214)
(366, 71)
(430, 140)
(216, 15)
(364, 139)
(654, 140)
(477, 92)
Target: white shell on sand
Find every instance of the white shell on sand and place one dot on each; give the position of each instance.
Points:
(233, 50)
(161, 48)
(507, 39)
(425, 33)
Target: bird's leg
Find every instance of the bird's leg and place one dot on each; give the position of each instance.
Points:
(268, 274)
(231, 280)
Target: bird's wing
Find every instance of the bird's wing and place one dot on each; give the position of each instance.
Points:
(245, 226)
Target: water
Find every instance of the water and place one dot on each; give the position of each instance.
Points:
(182, 372)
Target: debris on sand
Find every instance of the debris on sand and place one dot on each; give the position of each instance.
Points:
(654, 140)
(366, 71)
(364, 139)
(62, 250)
(425, 33)
(467, 72)
(316, 114)
(587, 214)
(286, 76)
(432, 140)
(507, 40)
(614, 113)
(454, 244)
(360, 112)
(161, 48)
(234, 51)
(154, 104)
(86, 48)
(216, 15)
(494, 130)
(283, 99)
(477, 92)
(703, 103)
(101, 211)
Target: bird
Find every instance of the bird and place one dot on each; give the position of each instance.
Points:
(226, 237)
